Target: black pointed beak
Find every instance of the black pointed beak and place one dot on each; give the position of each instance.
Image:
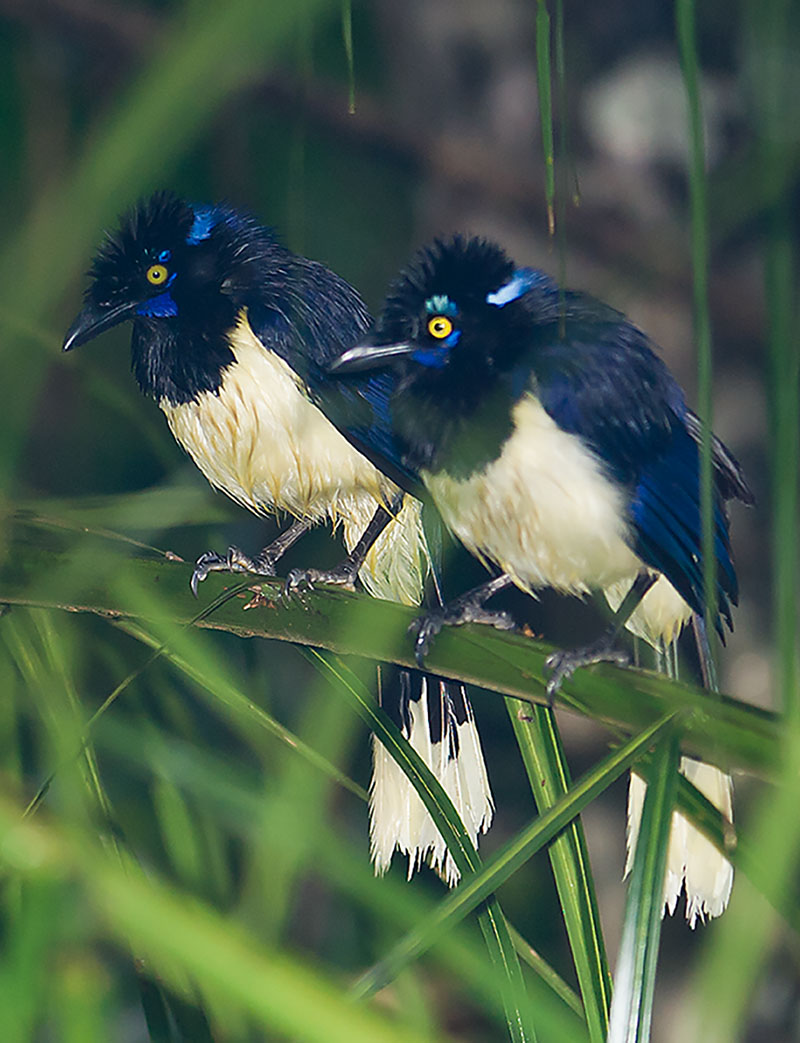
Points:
(369, 355)
(94, 319)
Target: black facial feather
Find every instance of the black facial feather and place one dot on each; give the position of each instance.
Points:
(220, 261)
(453, 407)
(155, 224)
(461, 268)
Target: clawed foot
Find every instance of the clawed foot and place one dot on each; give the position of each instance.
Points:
(564, 664)
(234, 561)
(455, 614)
(300, 580)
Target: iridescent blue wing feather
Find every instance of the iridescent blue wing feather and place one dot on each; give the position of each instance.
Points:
(599, 379)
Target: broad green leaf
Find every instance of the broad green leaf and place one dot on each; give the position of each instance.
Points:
(50, 572)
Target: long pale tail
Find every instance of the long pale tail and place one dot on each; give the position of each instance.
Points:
(436, 717)
(694, 865)
(434, 714)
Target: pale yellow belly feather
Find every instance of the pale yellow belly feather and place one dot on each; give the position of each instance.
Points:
(543, 511)
(263, 442)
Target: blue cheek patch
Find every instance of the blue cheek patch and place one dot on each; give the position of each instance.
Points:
(204, 221)
(436, 358)
(521, 281)
(161, 307)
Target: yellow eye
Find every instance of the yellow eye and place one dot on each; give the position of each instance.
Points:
(440, 327)
(157, 274)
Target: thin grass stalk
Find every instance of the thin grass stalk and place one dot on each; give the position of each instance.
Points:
(777, 104)
(733, 963)
(546, 109)
(347, 39)
(562, 193)
(635, 978)
(687, 46)
(241, 711)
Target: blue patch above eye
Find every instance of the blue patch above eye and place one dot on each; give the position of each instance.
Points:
(521, 281)
(165, 255)
(440, 305)
(161, 307)
(204, 220)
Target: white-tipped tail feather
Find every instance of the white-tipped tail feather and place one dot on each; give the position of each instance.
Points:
(439, 724)
(693, 863)
(437, 719)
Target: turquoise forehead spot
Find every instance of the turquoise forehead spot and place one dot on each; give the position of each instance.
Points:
(440, 305)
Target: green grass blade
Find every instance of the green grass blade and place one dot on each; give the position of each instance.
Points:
(779, 37)
(549, 975)
(190, 1019)
(733, 967)
(430, 790)
(634, 985)
(156, 1014)
(511, 856)
(182, 938)
(543, 80)
(347, 39)
(202, 666)
(82, 1001)
(687, 43)
(543, 755)
(491, 919)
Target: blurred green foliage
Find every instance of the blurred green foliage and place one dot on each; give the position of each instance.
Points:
(200, 871)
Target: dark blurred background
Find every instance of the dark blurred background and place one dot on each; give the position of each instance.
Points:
(444, 136)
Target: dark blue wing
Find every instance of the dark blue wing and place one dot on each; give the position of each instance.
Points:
(665, 511)
(360, 408)
(599, 379)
